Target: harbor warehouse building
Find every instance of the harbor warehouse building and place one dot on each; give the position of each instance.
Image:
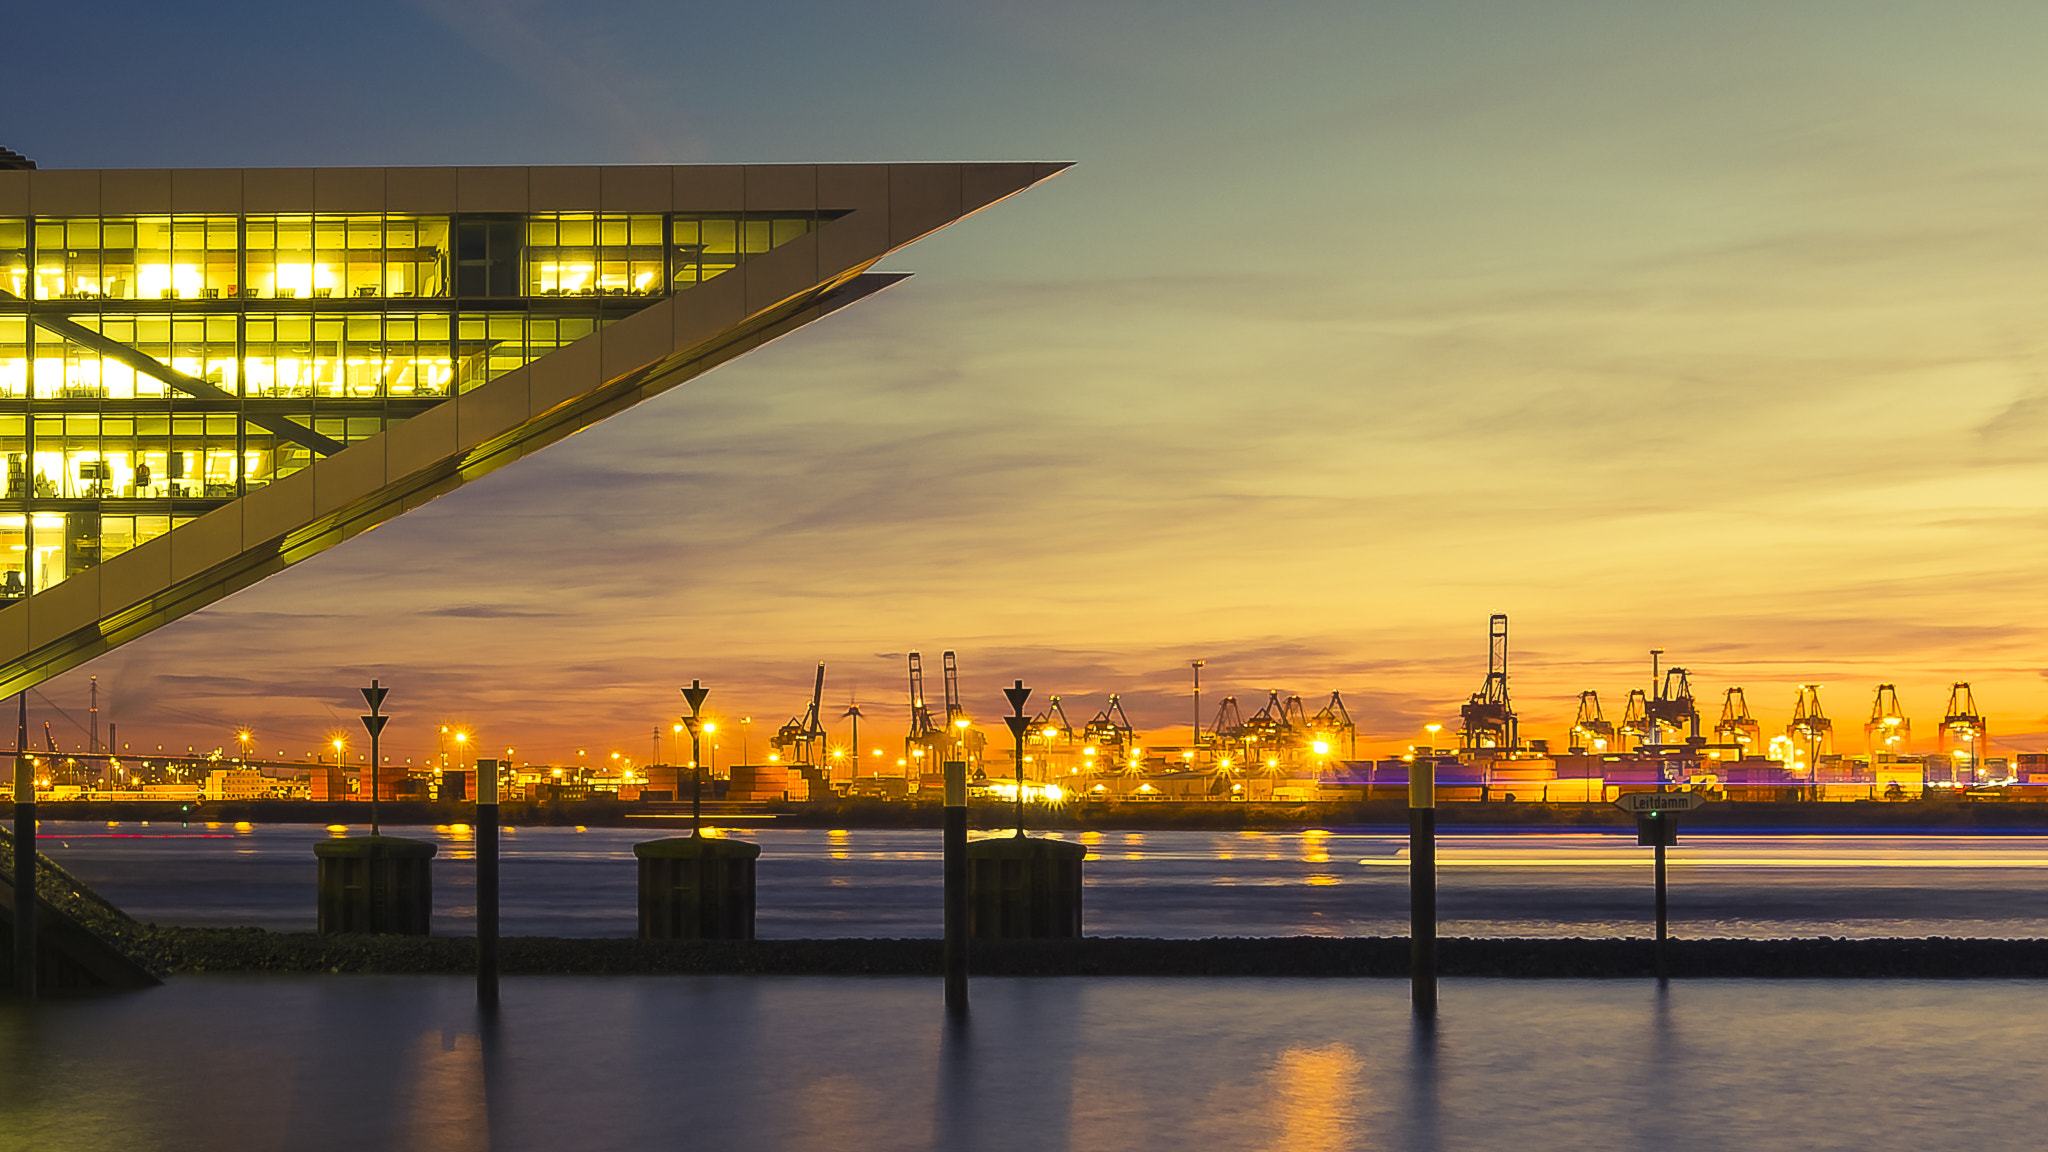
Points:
(208, 375)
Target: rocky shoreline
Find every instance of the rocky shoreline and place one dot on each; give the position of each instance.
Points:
(174, 951)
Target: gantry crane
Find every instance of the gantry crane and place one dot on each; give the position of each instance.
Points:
(1333, 723)
(1963, 725)
(1227, 730)
(1635, 720)
(964, 742)
(802, 739)
(1489, 719)
(1267, 731)
(1671, 711)
(1810, 730)
(1591, 731)
(1888, 733)
(1736, 725)
(924, 743)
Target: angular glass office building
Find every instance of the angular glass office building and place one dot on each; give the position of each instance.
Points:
(206, 375)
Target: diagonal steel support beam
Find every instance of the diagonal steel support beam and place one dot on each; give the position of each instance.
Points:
(156, 369)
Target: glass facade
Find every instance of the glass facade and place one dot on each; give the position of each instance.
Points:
(155, 367)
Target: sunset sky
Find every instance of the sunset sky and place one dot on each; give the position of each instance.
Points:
(1711, 328)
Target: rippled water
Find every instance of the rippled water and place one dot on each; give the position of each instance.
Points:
(315, 1063)
(561, 881)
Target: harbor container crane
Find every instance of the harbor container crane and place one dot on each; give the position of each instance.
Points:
(1489, 719)
(1591, 731)
(802, 740)
(1107, 739)
(923, 743)
(1963, 733)
(1888, 733)
(1635, 720)
(964, 741)
(1737, 726)
(1332, 724)
(1810, 731)
(1227, 730)
(1673, 716)
(1268, 732)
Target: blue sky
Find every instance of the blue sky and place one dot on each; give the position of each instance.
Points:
(1711, 329)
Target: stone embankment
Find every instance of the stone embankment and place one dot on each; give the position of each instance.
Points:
(194, 950)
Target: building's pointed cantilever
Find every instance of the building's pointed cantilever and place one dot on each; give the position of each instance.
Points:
(438, 323)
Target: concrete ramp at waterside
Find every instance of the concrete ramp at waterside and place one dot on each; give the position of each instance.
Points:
(83, 943)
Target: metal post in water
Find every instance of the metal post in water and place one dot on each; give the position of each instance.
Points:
(1664, 837)
(487, 883)
(956, 886)
(24, 860)
(1422, 883)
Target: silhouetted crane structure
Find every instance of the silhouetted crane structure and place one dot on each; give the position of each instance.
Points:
(1269, 730)
(1052, 725)
(1333, 723)
(1964, 725)
(924, 741)
(1888, 733)
(1591, 731)
(802, 739)
(1226, 732)
(1810, 730)
(1635, 720)
(1110, 727)
(1736, 725)
(1672, 712)
(1489, 718)
(964, 741)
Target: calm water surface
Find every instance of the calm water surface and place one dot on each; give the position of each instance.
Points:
(815, 1065)
(812, 883)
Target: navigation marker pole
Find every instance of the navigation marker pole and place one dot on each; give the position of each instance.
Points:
(695, 694)
(1018, 722)
(956, 887)
(487, 883)
(375, 722)
(1667, 831)
(1656, 816)
(24, 859)
(1422, 884)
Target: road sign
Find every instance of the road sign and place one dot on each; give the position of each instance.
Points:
(1640, 802)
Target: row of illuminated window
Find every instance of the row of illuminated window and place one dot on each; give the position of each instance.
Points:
(39, 550)
(216, 456)
(332, 357)
(375, 256)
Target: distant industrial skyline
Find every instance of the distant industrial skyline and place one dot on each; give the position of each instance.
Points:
(1714, 330)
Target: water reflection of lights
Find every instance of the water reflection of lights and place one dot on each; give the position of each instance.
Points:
(1798, 851)
(1046, 793)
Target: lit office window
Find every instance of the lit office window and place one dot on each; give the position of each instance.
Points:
(154, 367)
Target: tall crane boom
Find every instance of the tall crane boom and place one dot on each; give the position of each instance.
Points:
(1489, 718)
(1591, 731)
(953, 710)
(1888, 732)
(920, 716)
(1736, 725)
(1673, 707)
(1963, 725)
